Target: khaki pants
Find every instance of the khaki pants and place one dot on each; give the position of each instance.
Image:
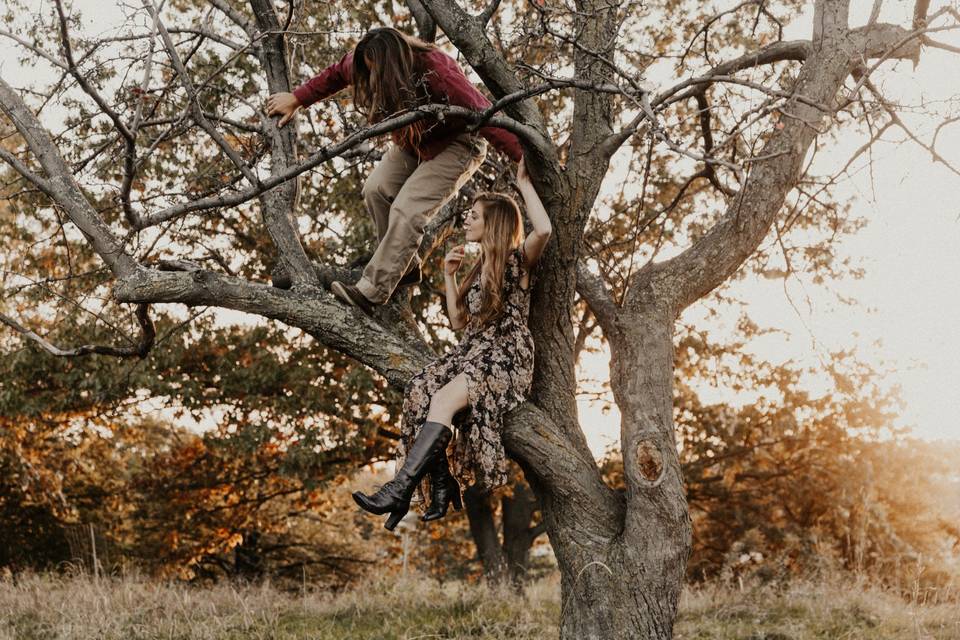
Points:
(402, 197)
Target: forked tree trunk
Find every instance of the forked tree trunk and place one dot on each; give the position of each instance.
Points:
(628, 585)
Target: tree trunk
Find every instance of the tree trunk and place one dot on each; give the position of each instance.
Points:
(507, 559)
(516, 514)
(484, 531)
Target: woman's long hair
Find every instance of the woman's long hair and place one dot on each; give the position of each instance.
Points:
(502, 232)
(388, 77)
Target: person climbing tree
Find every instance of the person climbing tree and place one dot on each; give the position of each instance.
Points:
(429, 160)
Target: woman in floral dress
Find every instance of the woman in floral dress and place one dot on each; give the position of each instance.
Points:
(488, 373)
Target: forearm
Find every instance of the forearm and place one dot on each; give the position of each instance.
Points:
(535, 210)
(327, 82)
(456, 317)
(503, 141)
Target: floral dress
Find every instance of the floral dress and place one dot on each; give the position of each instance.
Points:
(497, 360)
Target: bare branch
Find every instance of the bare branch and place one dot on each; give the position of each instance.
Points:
(61, 186)
(777, 52)
(18, 166)
(324, 154)
(592, 289)
(191, 91)
(37, 50)
(236, 17)
(278, 205)
(712, 259)
(875, 12)
(920, 13)
(139, 350)
(128, 135)
(930, 42)
(426, 26)
(898, 121)
(488, 11)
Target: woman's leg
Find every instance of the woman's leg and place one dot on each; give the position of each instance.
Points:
(448, 400)
(444, 488)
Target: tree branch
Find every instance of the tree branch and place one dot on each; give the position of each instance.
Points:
(484, 16)
(712, 259)
(194, 105)
(426, 26)
(236, 17)
(60, 185)
(278, 205)
(326, 153)
(592, 289)
(139, 350)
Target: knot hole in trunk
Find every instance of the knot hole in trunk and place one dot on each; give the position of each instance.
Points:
(649, 461)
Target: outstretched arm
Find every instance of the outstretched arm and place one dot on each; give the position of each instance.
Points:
(324, 84)
(327, 82)
(536, 240)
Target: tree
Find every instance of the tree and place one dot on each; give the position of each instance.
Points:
(794, 483)
(622, 555)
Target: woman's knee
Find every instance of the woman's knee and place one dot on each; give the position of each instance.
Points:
(438, 404)
(448, 400)
(443, 404)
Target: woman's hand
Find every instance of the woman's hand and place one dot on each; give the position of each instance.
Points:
(523, 178)
(452, 260)
(284, 104)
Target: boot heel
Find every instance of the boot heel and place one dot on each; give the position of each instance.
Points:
(457, 501)
(394, 519)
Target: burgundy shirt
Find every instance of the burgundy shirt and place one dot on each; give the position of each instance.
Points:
(446, 84)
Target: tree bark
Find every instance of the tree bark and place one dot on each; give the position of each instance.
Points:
(483, 528)
(517, 513)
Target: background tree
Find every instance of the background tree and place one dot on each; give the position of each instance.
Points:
(197, 84)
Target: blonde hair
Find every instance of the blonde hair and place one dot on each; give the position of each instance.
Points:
(502, 232)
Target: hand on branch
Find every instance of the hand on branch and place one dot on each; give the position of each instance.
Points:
(283, 104)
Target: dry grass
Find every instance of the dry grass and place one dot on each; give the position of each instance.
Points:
(846, 609)
(47, 607)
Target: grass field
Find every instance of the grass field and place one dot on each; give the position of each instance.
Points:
(45, 607)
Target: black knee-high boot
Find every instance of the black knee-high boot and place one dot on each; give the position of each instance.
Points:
(394, 496)
(444, 488)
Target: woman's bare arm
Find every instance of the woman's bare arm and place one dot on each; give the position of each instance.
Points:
(451, 263)
(536, 240)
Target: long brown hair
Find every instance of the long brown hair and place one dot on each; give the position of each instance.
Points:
(502, 232)
(388, 77)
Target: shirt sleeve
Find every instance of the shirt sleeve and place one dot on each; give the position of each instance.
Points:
(448, 79)
(327, 82)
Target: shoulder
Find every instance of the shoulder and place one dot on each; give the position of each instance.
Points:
(438, 61)
(437, 56)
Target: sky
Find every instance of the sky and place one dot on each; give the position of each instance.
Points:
(910, 294)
